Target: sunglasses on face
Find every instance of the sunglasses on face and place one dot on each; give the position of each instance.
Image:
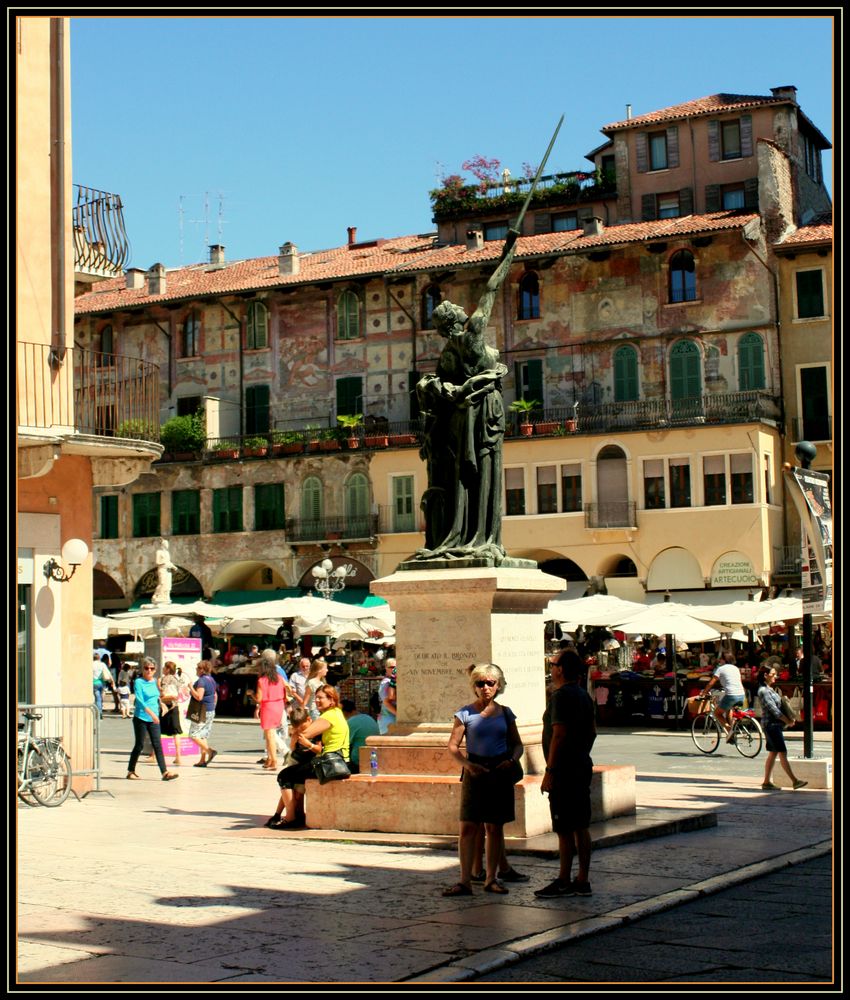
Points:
(489, 684)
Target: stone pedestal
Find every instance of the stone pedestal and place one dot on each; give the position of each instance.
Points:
(817, 771)
(447, 619)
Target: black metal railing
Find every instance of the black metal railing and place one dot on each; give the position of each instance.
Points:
(392, 522)
(327, 529)
(787, 562)
(611, 514)
(100, 239)
(93, 393)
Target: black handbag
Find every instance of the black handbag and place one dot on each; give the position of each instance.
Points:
(330, 766)
(196, 711)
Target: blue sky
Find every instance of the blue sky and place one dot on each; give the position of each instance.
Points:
(258, 131)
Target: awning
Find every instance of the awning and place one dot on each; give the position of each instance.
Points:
(229, 598)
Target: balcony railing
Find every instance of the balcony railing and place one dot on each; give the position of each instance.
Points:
(100, 240)
(651, 414)
(787, 564)
(91, 393)
(391, 522)
(327, 529)
(611, 514)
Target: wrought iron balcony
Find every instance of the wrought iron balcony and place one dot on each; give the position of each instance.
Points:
(392, 522)
(88, 392)
(100, 241)
(326, 529)
(787, 564)
(611, 514)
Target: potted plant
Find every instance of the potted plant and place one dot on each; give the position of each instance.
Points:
(183, 437)
(140, 430)
(402, 439)
(328, 440)
(570, 426)
(376, 437)
(287, 442)
(225, 448)
(311, 437)
(350, 422)
(524, 408)
(255, 446)
(545, 427)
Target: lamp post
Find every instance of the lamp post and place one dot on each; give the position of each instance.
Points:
(329, 581)
(806, 452)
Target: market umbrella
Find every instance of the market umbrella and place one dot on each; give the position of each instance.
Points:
(146, 626)
(167, 610)
(597, 609)
(668, 619)
(246, 626)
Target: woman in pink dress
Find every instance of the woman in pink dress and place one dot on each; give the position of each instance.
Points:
(271, 702)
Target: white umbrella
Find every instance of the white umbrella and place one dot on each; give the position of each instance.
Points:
(668, 619)
(146, 626)
(246, 626)
(167, 610)
(751, 612)
(597, 609)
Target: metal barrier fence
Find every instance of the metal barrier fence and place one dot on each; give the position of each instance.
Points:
(77, 728)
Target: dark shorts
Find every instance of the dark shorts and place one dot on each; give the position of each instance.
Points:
(775, 741)
(569, 799)
(487, 798)
(295, 774)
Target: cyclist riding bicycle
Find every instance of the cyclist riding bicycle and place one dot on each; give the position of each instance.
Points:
(728, 676)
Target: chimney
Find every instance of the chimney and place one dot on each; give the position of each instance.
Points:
(156, 279)
(135, 277)
(216, 253)
(628, 112)
(474, 238)
(789, 92)
(592, 226)
(288, 262)
(352, 235)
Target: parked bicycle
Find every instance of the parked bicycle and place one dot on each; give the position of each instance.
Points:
(44, 769)
(707, 732)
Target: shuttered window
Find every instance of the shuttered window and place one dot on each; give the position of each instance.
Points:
(625, 374)
(109, 516)
(529, 380)
(348, 316)
(751, 362)
(145, 514)
(547, 489)
(191, 342)
(312, 499)
(685, 379)
(357, 506)
(227, 509)
(257, 409)
(269, 510)
(186, 512)
(403, 515)
(257, 335)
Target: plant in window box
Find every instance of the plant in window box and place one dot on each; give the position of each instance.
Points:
(524, 408)
(183, 437)
(287, 442)
(255, 446)
(329, 439)
(402, 438)
(225, 448)
(349, 424)
(546, 427)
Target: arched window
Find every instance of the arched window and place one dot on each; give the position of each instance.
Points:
(431, 298)
(347, 316)
(529, 296)
(750, 362)
(357, 506)
(257, 335)
(683, 278)
(312, 508)
(626, 374)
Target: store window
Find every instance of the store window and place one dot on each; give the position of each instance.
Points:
(227, 509)
(269, 510)
(547, 489)
(514, 491)
(146, 515)
(186, 512)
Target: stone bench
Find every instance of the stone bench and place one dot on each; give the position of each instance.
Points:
(430, 804)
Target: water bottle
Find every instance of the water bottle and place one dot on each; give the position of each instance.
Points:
(373, 763)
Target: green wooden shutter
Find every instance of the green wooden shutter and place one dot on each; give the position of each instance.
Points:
(625, 375)
(348, 318)
(269, 509)
(750, 362)
(145, 515)
(357, 506)
(257, 409)
(109, 517)
(185, 512)
(311, 499)
(403, 515)
(685, 381)
(533, 381)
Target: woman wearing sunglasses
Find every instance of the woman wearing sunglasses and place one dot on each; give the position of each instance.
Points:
(490, 770)
(146, 720)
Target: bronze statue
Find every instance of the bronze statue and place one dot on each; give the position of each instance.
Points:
(465, 428)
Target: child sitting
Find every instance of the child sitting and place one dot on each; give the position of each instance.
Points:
(298, 757)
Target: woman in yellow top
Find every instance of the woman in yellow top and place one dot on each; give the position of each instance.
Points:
(327, 734)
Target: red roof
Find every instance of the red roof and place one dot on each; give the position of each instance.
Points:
(403, 254)
(715, 104)
(816, 234)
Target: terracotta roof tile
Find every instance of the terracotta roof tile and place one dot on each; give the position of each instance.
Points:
(817, 233)
(402, 255)
(712, 105)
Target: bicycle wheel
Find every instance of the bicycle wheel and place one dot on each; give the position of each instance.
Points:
(49, 771)
(705, 733)
(748, 736)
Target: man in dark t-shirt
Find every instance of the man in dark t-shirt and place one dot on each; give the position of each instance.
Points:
(569, 730)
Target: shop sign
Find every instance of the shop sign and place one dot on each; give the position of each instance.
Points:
(733, 570)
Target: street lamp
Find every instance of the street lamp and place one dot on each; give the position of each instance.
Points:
(74, 552)
(329, 581)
